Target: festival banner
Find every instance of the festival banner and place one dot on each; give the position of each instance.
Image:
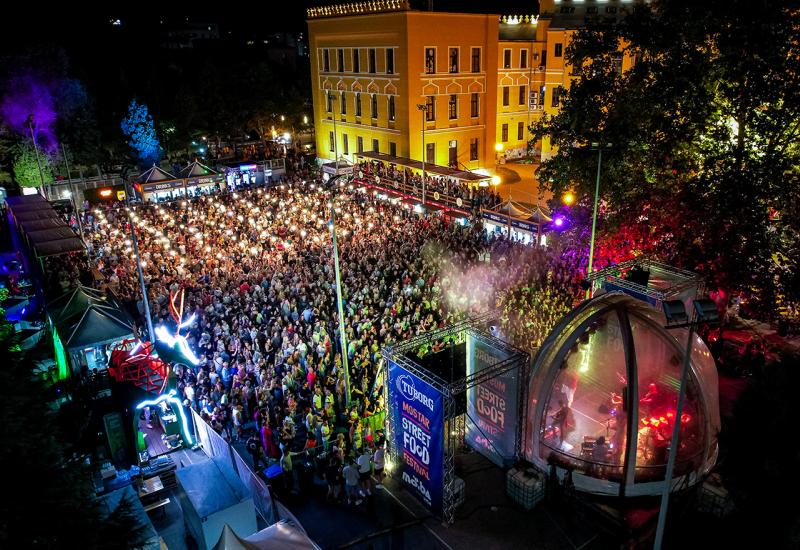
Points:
(491, 425)
(418, 419)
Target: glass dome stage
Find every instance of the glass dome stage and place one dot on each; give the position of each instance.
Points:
(603, 395)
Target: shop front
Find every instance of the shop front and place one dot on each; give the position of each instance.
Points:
(523, 231)
(161, 191)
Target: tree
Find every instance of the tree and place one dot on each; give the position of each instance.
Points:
(48, 501)
(704, 126)
(26, 168)
(138, 126)
(76, 125)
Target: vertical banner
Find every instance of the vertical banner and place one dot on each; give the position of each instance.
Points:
(115, 434)
(491, 425)
(417, 415)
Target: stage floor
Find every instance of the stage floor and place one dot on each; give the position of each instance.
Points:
(152, 438)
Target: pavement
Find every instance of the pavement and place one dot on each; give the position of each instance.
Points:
(393, 519)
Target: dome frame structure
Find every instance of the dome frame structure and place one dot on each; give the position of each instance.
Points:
(610, 361)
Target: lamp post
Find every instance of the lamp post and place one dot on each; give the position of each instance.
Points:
(705, 311)
(145, 301)
(340, 307)
(36, 150)
(332, 98)
(424, 109)
(599, 148)
(72, 194)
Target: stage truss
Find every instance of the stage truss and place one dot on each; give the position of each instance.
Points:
(679, 280)
(454, 428)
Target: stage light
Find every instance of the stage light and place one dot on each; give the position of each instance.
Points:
(496, 180)
(558, 221)
(498, 147)
(569, 198)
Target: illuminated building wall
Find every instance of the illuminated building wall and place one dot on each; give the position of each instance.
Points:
(419, 58)
(380, 60)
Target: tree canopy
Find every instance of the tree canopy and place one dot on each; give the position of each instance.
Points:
(26, 167)
(138, 126)
(704, 127)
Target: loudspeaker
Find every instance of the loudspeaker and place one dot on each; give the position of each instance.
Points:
(638, 276)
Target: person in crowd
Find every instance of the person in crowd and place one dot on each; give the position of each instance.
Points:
(351, 479)
(365, 471)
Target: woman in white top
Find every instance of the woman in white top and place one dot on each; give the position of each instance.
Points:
(379, 458)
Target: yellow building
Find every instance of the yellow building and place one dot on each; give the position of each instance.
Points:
(381, 73)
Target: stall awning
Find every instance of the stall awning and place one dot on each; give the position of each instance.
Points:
(37, 225)
(463, 175)
(35, 215)
(153, 175)
(196, 170)
(56, 248)
(85, 317)
(50, 234)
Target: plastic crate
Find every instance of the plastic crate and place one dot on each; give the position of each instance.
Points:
(525, 487)
(713, 498)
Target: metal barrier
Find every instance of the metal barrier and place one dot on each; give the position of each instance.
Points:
(216, 448)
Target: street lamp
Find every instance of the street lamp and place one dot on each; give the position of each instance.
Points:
(332, 98)
(705, 312)
(36, 150)
(424, 109)
(72, 194)
(599, 149)
(342, 336)
(135, 242)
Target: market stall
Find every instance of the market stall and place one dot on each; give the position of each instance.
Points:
(200, 179)
(156, 184)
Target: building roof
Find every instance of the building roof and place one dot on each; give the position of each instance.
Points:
(196, 169)
(518, 27)
(357, 8)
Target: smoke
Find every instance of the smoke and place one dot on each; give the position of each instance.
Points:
(466, 287)
(30, 99)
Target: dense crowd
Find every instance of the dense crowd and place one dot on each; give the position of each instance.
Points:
(257, 270)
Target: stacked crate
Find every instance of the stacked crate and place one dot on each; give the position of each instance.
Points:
(713, 498)
(525, 487)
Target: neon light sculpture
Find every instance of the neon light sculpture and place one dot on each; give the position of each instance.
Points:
(175, 348)
(170, 398)
(146, 363)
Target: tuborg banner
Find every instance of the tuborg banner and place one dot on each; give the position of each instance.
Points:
(491, 405)
(418, 420)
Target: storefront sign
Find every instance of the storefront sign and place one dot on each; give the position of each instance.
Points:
(203, 181)
(491, 405)
(417, 416)
(503, 220)
(155, 187)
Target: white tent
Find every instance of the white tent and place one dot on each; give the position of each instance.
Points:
(284, 535)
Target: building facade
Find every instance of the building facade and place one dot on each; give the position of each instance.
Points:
(382, 74)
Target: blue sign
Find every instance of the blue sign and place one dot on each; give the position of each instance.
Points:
(418, 419)
(491, 425)
(515, 222)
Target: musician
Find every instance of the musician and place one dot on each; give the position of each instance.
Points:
(564, 419)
